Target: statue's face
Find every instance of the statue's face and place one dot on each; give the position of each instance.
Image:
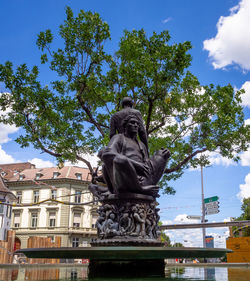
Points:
(132, 125)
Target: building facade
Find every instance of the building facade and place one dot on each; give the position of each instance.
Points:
(53, 202)
(6, 198)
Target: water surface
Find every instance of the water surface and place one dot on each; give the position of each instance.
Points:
(80, 273)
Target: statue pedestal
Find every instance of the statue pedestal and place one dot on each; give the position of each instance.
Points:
(128, 219)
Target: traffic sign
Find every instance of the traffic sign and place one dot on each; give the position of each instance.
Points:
(211, 199)
(211, 211)
(207, 209)
(194, 217)
(214, 204)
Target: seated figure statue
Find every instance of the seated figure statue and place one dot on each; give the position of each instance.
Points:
(127, 167)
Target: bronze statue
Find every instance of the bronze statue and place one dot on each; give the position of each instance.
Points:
(127, 167)
(128, 215)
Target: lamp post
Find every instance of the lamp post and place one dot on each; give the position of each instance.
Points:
(203, 210)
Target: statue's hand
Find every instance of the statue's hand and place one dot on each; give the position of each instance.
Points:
(164, 152)
(142, 168)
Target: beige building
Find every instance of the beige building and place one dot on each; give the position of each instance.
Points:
(52, 202)
(6, 199)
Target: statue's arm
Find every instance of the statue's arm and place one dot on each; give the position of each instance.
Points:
(112, 127)
(113, 148)
(142, 131)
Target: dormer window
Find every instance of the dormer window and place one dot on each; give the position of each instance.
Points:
(55, 175)
(21, 177)
(38, 176)
(79, 176)
(3, 174)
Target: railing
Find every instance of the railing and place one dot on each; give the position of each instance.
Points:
(205, 225)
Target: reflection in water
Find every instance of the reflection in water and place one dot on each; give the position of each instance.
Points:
(238, 273)
(79, 273)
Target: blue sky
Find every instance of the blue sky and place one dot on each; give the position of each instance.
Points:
(220, 36)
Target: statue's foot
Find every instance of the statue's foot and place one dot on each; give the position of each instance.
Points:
(151, 190)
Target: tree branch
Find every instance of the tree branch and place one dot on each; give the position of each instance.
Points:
(41, 145)
(150, 109)
(176, 168)
(88, 112)
(158, 126)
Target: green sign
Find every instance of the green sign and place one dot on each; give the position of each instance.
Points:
(211, 199)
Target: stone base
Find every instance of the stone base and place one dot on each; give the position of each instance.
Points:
(128, 219)
(126, 269)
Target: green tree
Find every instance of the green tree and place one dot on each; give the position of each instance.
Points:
(69, 116)
(244, 216)
(178, 244)
(164, 237)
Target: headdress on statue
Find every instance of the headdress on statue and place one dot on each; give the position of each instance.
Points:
(128, 117)
(127, 101)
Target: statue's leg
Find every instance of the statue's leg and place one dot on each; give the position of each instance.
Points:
(159, 164)
(107, 179)
(125, 176)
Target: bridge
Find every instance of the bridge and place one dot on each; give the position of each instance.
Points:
(205, 225)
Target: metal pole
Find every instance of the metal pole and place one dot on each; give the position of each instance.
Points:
(203, 210)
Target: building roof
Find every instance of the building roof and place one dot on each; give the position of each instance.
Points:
(8, 170)
(40, 174)
(4, 189)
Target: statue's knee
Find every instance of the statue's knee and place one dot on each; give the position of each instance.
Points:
(120, 160)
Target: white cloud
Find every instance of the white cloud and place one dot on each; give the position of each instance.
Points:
(166, 20)
(245, 188)
(41, 163)
(246, 96)
(5, 158)
(232, 41)
(5, 130)
(93, 159)
(216, 159)
(245, 158)
(247, 122)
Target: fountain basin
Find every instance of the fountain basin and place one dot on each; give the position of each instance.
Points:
(123, 253)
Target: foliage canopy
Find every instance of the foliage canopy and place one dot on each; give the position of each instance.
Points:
(70, 117)
(245, 208)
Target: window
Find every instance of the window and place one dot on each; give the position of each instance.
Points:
(17, 220)
(52, 219)
(53, 194)
(38, 176)
(78, 196)
(94, 222)
(36, 196)
(21, 177)
(1, 208)
(34, 219)
(75, 242)
(19, 195)
(10, 212)
(77, 220)
(79, 176)
(55, 175)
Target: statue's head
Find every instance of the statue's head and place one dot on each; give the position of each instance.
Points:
(127, 102)
(131, 123)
